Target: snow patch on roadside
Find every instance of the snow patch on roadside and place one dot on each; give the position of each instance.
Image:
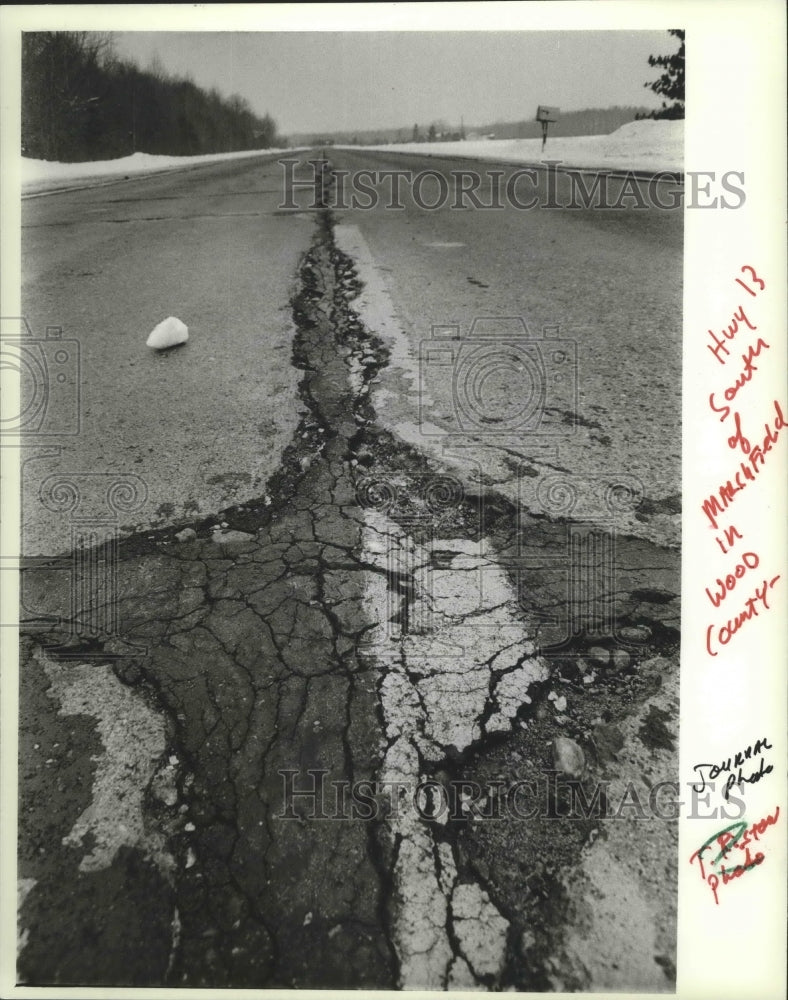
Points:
(42, 175)
(642, 145)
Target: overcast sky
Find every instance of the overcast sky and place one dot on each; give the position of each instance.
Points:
(313, 81)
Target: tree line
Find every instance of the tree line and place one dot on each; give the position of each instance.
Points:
(80, 102)
(588, 121)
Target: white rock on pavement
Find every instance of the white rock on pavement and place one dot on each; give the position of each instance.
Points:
(568, 758)
(168, 333)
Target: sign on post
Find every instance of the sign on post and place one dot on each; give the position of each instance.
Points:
(545, 115)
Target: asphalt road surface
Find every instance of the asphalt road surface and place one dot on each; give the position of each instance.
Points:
(105, 265)
(604, 284)
(365, 674)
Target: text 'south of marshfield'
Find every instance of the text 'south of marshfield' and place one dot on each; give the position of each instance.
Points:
(746, 575)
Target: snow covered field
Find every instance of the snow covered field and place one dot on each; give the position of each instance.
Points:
(643, 145)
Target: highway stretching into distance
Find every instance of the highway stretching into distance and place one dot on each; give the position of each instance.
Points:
(403, 512)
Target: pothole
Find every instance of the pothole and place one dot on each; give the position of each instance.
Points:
(371, 621)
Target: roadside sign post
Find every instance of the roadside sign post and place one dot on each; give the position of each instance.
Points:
(545, 115)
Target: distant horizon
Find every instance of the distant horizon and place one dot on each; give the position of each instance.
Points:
(330, 82)
(472, 126)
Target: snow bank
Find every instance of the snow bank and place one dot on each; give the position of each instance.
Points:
(44, 175)
(643, 145)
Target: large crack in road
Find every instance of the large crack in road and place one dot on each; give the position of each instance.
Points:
(367, 623)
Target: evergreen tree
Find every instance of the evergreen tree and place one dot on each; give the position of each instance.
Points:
(671, 83)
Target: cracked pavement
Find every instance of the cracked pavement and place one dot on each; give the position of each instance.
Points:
(377, 617)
